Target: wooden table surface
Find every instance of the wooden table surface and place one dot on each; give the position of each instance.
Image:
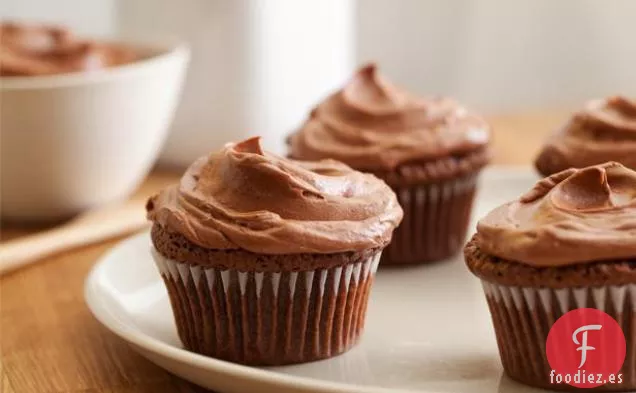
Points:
(51, 343)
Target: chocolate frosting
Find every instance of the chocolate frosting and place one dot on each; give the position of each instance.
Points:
(44, 50)
(372, 125)
(572, 217)
(605, 130)
(245, 198)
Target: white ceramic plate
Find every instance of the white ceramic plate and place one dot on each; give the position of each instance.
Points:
(428, 328)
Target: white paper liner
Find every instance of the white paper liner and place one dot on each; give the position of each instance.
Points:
(523, 316)
(267, 318)
(436, 218)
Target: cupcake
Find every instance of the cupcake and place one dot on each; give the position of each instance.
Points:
(567, 244)
(268, 261)
(604, 130)
(429, 151)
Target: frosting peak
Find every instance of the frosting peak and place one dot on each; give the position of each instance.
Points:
(251, 145)
(587, 190)
(616, 114)
(604, 130)
(372, 93)
(371, 124)
(245, 198)
(575, 216)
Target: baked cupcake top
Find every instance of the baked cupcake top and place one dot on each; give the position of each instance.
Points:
(45, 50)
(604, 130)
(244, 198)
(370, 124)
(572, 217)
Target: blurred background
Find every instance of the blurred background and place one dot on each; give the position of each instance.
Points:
(257, 67)
(500, 56)
(261, 65)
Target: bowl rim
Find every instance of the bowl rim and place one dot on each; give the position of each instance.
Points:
(159, 53)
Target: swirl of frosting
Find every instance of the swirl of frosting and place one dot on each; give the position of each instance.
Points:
(244, 198)
(43, 50)
(574, 216)
(372, 125)
(605, 130)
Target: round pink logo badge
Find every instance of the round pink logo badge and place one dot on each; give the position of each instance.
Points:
(585, 349)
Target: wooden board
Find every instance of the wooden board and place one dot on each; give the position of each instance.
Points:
(51, 343)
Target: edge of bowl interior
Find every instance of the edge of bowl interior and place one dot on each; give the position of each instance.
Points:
(152, 54)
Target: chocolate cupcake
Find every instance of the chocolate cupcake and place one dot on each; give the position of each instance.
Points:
(569, 243)
(604, 130)
(429, 151)
(268, 261)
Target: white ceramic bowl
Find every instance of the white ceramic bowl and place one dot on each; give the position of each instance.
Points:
(75, 141)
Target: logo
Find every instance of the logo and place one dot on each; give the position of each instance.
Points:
(586, 348)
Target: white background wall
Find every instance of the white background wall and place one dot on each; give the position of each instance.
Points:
(504, 55)
(86, 16)
(496, 55)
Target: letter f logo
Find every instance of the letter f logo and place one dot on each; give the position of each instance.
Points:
(574, 335)
(583, 344)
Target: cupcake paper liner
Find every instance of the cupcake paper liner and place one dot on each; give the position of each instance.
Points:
(522, 318)
(435, 223)
(268, 318)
